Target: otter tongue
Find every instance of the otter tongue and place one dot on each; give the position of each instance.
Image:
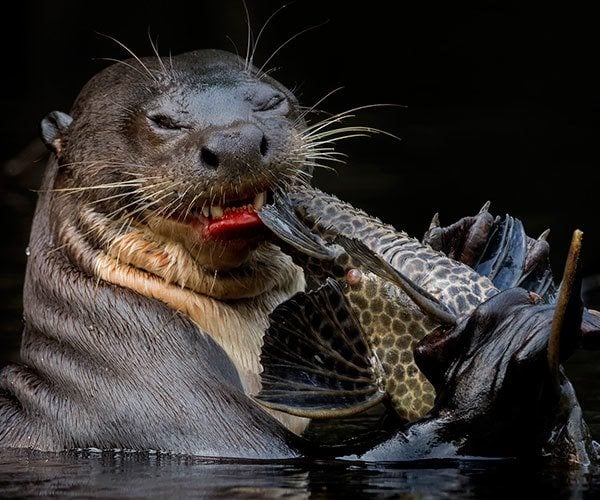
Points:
(233, 225)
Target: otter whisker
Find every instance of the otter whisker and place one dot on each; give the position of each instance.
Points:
(170, 190)
(116, 196)
(313, 111)
(265, 24)
(171, 63)
(137, 202)
(318, 130)
(119, 105)
(176, 204)
(301, 172)
(271, 70)
(334, 134)
(176, 207)
(212, 286)
(102, 161)
(321, 166)
(67, 195)
(317, 146)
(144, 178)
(124, 63)
(324, 157)
(303, 175)
(293, 37)
(249, 37)
(141, 63)
(191, 205)
(155, 50)
(324, 125)
(314, 162)
(326, 150)
(349, 112)
(125, 226)
(181, 198)
(211, 195)
(78, 189)
(295, 171)
(97, 165)
(237, 52)
(312, 108)
(161, 198)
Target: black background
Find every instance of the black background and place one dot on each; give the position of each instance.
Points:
(501, 100)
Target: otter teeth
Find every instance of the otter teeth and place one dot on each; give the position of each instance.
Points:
(259, 200)
(216, 211)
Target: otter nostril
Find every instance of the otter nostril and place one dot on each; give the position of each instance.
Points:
(264, 146)
(208, 158)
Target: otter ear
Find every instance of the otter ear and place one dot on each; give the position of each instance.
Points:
(53, 128)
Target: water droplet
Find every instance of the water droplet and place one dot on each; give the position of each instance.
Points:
(27, 251)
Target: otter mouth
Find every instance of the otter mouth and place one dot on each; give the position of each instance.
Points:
(233, 219)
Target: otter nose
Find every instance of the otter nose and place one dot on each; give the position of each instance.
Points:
(237, 145)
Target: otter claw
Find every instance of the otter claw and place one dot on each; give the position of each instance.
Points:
(544, 235)
(435, 221)
(485, 208)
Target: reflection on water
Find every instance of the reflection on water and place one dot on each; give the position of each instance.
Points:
(117, 474)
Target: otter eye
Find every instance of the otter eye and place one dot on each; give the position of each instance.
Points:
(164, 122)
(273, 103)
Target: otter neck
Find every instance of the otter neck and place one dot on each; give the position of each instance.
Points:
(94, 240)
(231, 308)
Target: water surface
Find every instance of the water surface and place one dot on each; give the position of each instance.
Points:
(142, 475)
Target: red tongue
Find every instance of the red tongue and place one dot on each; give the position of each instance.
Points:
(234, 225)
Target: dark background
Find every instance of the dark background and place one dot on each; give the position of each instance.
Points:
(501, 103)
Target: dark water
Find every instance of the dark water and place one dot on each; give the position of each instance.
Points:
(141, 475)
(134, 475)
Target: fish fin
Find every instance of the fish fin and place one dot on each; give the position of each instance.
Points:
(282, 220)
(316, 361)
(374, 263)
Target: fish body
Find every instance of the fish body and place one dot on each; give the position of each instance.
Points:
(395, 290)
(456, 285)
(393, 326)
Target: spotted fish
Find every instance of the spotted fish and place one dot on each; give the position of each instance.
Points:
(373, 294)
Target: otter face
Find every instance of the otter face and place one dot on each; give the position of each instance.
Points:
(227, 139)
(186, 150)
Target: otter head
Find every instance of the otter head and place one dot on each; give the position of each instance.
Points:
(166, 163)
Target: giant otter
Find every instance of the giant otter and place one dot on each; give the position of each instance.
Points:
(149, 281)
